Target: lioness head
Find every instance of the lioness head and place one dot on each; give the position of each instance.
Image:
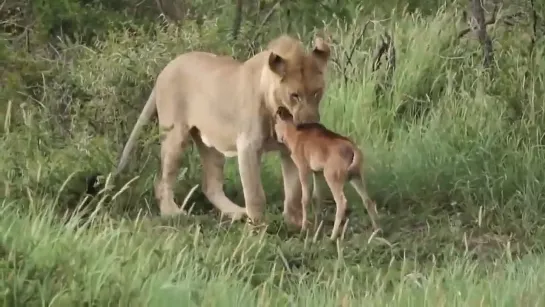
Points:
(296, 78)
(283, 120)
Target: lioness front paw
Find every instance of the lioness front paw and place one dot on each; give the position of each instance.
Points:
(255, 228)
(173, 213)
(172, 210)
(236, 215)
(292, 219)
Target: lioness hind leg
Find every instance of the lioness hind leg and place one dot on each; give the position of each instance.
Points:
(213, 163)
(175, 140)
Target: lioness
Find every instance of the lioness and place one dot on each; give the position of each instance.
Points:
(227, 107)
(314, 148)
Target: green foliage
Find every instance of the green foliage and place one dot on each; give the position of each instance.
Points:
(453, 158)
(81, 21)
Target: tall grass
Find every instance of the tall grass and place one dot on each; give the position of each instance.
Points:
(149, 263)
(459, 187)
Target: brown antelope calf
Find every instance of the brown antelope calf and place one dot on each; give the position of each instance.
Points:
(314, 148)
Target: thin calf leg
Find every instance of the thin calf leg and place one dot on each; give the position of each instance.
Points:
(336, 183)
(358, 183)
(305, 198)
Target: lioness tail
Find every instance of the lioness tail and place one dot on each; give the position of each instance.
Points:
(147, 112)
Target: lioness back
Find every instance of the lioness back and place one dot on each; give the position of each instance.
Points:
(199, 64)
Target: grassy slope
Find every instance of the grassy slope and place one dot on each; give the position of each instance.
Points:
(459, 192)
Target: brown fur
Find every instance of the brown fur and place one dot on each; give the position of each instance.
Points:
(227, 107)
(314, 148)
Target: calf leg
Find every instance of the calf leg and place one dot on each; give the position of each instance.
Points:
(359, 185)
(317, 196)
(305, 195)
(335, 181)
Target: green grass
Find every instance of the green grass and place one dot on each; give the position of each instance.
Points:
(459, 189)
(149, 262)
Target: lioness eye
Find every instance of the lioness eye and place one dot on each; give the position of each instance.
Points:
(294, 97)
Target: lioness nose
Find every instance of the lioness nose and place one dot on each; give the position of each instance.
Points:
(309, 117)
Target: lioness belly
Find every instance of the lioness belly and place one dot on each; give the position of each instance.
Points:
(227, 151)
(209, 126)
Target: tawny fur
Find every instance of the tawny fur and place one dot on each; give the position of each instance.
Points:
(227, 108)
(314, 148)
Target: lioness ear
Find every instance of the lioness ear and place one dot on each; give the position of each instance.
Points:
(321, 50)
(277, 64)
(284, 113)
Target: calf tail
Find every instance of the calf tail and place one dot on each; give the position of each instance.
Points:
(354, 169)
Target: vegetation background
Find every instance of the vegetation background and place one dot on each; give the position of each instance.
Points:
(454, 157)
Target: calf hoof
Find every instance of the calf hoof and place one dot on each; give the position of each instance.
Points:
(305, 225)
(378, 229)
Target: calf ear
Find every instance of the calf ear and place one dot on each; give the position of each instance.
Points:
(284, 113)
(321, 51)
(277, 64)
